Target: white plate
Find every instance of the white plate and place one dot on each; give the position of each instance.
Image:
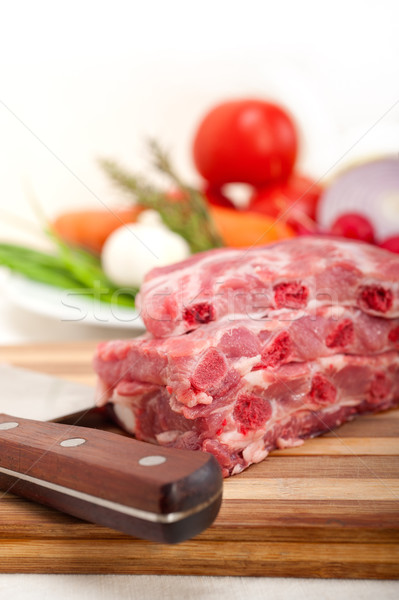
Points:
(69, 305)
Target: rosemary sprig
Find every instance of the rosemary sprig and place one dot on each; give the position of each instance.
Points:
(186, 215)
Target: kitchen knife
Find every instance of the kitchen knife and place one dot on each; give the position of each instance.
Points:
(152, 492)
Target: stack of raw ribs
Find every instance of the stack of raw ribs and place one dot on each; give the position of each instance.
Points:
(248, 351)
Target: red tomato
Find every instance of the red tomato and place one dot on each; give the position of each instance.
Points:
(295, 200)
(246, 141)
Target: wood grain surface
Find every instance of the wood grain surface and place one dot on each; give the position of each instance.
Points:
(329, 508)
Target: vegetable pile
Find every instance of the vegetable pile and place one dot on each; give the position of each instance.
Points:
(251, 142)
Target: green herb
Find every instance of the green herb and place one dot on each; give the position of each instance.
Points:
(70, 268)
(36, 265)
(188, 215)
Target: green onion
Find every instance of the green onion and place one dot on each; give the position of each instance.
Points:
(71, 269)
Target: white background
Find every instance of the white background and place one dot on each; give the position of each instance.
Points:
(80, 80)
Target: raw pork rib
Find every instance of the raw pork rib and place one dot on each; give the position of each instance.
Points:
(300, 274)
(254, 350)
(266, 409)
(210, 361)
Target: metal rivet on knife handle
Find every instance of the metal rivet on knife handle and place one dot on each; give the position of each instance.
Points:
(72, 442)
(151, 461)
(9, 425)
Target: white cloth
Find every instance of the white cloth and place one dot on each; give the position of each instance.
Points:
(173, 587)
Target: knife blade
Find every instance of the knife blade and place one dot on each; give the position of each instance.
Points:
(152, 492)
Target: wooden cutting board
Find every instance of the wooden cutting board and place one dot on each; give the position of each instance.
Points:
(329, 508)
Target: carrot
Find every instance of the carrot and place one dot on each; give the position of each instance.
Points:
(241, 228)
(90, 228)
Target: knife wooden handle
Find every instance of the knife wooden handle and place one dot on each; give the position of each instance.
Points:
(152, 492)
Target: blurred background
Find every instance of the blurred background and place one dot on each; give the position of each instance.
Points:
(84, 80)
